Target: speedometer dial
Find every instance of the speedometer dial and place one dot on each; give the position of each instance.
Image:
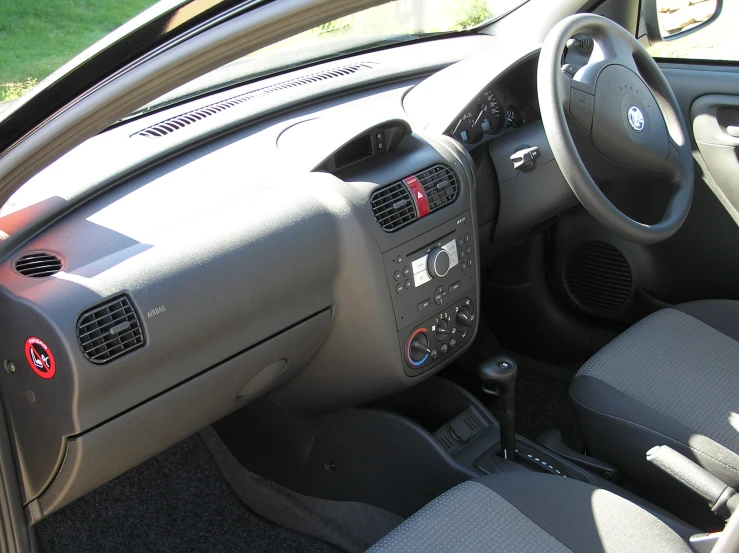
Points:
(490, 118)
(467, 129)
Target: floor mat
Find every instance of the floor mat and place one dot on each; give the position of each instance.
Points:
(178, 501)
(350, 525)
(543, 402)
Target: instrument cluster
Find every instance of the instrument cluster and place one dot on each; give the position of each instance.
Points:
(491, 113)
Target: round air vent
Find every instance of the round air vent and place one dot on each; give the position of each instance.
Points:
(38, 264)
(598, 277)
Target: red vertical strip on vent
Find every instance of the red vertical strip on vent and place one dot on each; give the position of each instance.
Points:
(419, 195)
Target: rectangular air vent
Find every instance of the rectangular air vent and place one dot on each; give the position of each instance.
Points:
(440, 184)
(109, 330)
(395, 205)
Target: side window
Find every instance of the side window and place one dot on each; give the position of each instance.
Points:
(717, 41)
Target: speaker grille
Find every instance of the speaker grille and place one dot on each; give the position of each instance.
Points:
(598, 277)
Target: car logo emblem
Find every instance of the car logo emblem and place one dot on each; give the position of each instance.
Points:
(636, 118)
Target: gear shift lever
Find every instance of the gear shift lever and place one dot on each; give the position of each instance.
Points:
(498, 375)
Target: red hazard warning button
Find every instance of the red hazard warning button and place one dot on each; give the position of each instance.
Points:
(419, 195)
(40, 358)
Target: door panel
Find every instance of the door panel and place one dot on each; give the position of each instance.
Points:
(715, 120)
(702, 259)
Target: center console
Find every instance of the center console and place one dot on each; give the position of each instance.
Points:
(417, 194)
(433, 283)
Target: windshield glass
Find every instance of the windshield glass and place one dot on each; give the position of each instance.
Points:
(386, 24)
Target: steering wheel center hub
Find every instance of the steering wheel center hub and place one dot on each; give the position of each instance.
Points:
(628, 127)
(636, 118)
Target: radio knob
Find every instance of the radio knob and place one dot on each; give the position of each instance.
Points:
(438, 263)
(463, 320)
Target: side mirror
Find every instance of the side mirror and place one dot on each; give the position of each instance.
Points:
(673, 19)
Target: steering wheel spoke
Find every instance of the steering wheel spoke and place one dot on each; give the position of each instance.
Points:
(673, 165)
(611, 49)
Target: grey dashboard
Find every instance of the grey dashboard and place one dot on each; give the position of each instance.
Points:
(322, 250)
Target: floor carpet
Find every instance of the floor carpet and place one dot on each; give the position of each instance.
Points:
(177, 501)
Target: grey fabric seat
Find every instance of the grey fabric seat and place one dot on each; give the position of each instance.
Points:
(530, 512)
(673, 379)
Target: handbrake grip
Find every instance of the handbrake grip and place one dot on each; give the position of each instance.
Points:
(721, 498)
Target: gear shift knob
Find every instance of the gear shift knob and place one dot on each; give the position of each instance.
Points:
(498, 375)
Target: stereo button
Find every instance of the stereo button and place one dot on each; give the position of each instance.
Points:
(424, 304)
(453, 260)
(421, 278)
(419, 265)
(439, 295)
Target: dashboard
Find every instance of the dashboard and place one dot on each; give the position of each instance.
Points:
(317, 248)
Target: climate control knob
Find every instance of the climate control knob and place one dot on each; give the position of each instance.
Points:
(441, 330)
(438, 262)
(463, 319)
(419, 347)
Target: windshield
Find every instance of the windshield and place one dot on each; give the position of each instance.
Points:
(386, 24)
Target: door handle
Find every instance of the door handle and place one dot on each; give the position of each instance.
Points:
(714, 120)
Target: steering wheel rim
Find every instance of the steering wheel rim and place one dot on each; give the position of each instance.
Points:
(620, 72)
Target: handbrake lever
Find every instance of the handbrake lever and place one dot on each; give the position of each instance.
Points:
(721, 498)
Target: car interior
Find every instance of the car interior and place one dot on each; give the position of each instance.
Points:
(472, 292)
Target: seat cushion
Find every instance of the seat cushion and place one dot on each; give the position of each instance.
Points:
(671, 379)
(530, 512)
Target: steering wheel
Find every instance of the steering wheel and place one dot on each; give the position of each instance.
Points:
(622, 104)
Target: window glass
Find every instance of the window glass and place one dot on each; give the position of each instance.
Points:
(39, 36)
(717, 41)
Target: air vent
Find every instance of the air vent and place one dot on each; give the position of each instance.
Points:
(109, 330)
(598, 277)
(38, 265)
(393, 206)
(180, 121)
(440, 184)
